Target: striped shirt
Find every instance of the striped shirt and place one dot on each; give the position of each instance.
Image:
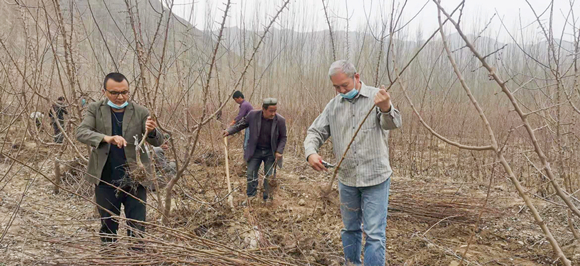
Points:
(367, 161)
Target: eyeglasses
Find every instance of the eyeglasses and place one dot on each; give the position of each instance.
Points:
(270, 101)
(115, 93)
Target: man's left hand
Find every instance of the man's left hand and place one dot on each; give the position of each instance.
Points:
(150, 125)
(278, 156)
(383, 99)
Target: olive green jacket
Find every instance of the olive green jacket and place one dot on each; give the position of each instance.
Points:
(97, 124)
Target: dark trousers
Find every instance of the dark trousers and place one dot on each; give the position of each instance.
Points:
(108, 198)
(260, 155)
(58, 136)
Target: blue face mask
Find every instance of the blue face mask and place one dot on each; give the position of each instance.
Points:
(117, 106)
(349, 95)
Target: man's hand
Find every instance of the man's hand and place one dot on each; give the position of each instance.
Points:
(278, 156)
(118, 141)
(383, 99)
(150, 125)
(315, 162)
(225, 133)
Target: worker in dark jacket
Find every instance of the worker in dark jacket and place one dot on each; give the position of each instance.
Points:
(57, 116)
(266, 143)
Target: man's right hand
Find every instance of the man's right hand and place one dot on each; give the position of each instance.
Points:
(225, 133)
(315, 162)
(119, 141)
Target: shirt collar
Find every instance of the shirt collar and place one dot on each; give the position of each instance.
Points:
(364, 90)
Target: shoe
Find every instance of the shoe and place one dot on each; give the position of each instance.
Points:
(249, 201)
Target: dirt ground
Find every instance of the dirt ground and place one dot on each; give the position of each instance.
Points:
(430, 220)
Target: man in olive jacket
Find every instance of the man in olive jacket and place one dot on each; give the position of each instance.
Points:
(110, 127)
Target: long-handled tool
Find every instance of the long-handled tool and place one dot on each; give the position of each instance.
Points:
(272, 182)
(230, 196)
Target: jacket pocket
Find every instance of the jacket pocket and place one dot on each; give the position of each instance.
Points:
(93, 167)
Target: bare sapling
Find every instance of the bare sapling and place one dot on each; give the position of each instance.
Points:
(494, 144)
(230, 196)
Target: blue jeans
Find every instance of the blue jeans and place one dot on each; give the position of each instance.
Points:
(260, 155)
(368, 206)
(246, 137)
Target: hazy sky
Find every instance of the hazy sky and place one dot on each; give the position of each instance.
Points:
(307, 15)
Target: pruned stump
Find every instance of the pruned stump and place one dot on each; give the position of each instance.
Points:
(328, 196)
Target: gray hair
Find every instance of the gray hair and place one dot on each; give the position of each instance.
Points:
(342, 66)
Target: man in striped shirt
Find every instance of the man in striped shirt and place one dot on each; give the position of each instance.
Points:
(364, 176)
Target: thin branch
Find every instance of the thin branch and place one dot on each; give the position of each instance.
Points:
(330, 31)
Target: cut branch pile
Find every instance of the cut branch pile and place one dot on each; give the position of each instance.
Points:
(423, 205)
(159, 246)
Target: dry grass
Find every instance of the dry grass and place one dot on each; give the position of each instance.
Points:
(429, 222)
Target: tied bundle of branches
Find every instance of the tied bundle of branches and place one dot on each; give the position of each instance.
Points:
(138, 173)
